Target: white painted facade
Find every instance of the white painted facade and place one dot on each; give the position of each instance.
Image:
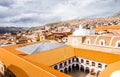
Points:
(77, 63)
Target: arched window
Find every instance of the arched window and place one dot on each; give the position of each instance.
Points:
(93, 63)
(74, 42)
(73, 59)
(65, 63)
(105, 65)
(99, 65)
(42, 37)
(118, 43)
(55, 67)
(82, 61)
(87, 62)
(87, 70)
(61, 65)
(102, 42)
(69, 61)
(88, 41)
(77, 59)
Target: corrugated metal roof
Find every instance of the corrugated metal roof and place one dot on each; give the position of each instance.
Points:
(39, 47)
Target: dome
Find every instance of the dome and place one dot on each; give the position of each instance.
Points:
(115, 74)
(83, 32)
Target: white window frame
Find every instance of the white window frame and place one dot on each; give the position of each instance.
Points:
(88, 40)
(116, 44)
(101, 42)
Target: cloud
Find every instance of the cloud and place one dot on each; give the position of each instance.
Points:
(36, 12)
(6, 3)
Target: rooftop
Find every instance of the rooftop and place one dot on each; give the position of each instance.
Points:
(39, 47)
(38, 63)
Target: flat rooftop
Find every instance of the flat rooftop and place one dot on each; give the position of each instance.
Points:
(39, 47)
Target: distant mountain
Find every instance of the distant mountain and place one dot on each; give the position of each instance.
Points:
(117, 14)
(11, 29)
(75, 22)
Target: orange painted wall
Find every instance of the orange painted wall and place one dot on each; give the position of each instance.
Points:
(110, 69)
(101, 28)
(21, 67)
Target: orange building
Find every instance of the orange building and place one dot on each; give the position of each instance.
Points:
(108, 28)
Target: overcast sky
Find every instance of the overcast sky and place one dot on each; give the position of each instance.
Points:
(29, 13)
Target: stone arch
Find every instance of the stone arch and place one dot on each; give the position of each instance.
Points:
(77, 67)
(60, 65)
(65, 70)
(82, 68)
(69, 61)
(93, 63)
(73, 67)
(87, 70)
(82, 60)
(61, 71)
(65, 63)
(69, 69)
(73, 60)
(105, 65)
(77, 59)
(87, 62)
(56, 67)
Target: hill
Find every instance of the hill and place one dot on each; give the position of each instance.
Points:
(117, 14)
(11, 29)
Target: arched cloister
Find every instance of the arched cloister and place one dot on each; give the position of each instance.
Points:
(87, 70)
(61, 65)
(77, 59)
(61, 71)
(56, 67)
(65, 63)
(69, 69)
(82, 61)
(75, 64)
(93, 63)
(87, 62)
(65, 70)
(69, 61)
(77, 67)
(82, 68)
(73, 67)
